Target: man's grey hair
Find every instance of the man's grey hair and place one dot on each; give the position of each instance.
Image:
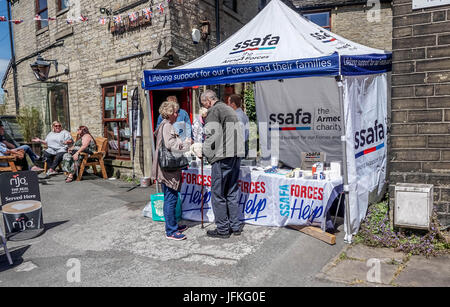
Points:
(209, 94)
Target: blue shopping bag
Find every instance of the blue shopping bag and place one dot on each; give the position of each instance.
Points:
(157, 201)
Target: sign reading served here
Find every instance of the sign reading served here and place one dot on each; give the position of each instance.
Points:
(420, 4)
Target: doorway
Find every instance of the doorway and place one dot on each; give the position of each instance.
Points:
(184, 97)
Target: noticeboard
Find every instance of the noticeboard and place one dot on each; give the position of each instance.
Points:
(421, 4)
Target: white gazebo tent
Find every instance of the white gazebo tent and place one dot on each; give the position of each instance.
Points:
(320, 91)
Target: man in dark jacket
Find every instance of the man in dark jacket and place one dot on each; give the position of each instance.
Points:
(223, 148)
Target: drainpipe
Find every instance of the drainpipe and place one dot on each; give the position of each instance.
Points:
(13, 57)
(217, 22)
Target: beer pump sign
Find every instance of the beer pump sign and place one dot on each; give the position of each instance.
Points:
(21, 203)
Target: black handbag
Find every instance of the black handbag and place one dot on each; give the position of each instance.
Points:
(168, 161)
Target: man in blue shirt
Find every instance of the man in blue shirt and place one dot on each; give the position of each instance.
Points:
(183, 124)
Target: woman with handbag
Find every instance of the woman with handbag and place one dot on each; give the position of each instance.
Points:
(167, 167)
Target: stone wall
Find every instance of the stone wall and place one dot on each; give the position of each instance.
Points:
(362, 26)
(356, 21)
(420, 133)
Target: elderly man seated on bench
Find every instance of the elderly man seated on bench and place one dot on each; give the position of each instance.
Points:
(12, 149)
(4, 151)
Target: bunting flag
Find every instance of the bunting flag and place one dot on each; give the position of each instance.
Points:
(148, 12)
(132, 16)
(39, 18)
(117, 19)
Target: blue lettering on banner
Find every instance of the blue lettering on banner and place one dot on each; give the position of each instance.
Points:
(353, 65)
(162, 79)
(284, 200)
(195, 197)
(305, 213)
(252, 208)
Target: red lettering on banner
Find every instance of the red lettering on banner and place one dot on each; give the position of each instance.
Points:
(306, 192)
(195, 179)
(252, 187)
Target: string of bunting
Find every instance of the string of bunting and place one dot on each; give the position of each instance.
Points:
(134, 16)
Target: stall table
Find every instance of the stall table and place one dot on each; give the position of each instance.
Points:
(266, 199)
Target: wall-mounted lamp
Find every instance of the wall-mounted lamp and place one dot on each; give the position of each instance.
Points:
(41, 68)
(196, 36)
(170, 62)
(106, 11)
(205, 28)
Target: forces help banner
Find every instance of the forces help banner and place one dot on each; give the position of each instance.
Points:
(264, 199)
(305, 112)
(365, 100)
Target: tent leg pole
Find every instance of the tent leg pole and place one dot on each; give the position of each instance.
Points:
(348, 237)
(150, 123)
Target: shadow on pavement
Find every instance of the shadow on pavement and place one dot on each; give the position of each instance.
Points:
(48, 226)
(16, 255)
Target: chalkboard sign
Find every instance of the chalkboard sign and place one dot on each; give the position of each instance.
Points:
(21, 205)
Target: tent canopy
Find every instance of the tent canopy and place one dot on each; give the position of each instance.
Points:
(277, 44)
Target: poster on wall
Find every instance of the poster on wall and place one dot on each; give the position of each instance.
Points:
(124, 92)
(306, 114)
(420, 4)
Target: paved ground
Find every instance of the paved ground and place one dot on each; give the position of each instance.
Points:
(360, 265)
(97, 225)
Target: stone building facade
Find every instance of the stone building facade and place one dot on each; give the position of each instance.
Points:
(420, 135)
(96, 61)
(356, 20)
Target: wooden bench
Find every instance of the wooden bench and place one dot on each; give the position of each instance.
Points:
(12, 167)
(95, 159)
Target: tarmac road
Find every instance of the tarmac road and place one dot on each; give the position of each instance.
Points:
(96, 236)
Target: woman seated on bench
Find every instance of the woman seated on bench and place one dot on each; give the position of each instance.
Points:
(57, 141)
(72, 160)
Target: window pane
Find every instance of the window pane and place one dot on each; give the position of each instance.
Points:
(232, 4)
(124, 136)
(118, 134)
(42, 4)
(44, 15)
(111, 134)
(321, 19)
(64, 4)
(109, 103)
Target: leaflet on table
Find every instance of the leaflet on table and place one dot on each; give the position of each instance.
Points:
(264, 199)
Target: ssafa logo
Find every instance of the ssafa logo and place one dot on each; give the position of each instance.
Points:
(268, 42)
(327, 38)
(302, 120)
(17, 182)
(368, 137)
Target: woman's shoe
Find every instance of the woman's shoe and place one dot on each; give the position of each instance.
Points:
(69, 179)
(178, 236)
(37, 169)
